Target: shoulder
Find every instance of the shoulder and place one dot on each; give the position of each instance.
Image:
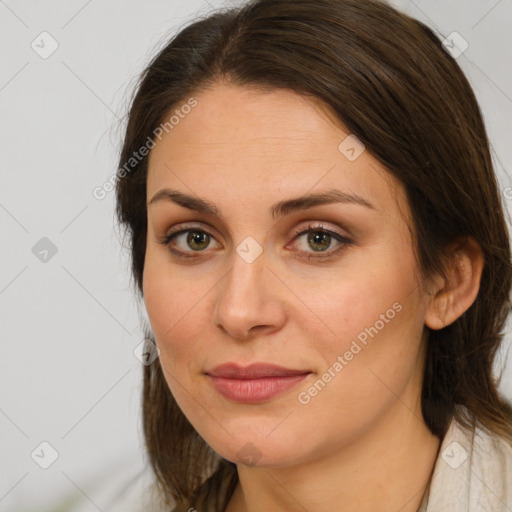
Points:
(473, 471)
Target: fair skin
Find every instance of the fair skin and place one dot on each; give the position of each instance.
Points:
(361, 443)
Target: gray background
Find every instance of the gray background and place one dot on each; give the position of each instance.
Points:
(68, 375)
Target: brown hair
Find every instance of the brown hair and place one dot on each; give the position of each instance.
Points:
(389, 80)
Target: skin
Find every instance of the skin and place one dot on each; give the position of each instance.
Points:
(361, 443)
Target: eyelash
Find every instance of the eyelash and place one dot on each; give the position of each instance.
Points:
(322, 255)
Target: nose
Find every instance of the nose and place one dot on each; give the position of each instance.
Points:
(250, 300)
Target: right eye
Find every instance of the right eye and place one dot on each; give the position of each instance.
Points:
(195, 239)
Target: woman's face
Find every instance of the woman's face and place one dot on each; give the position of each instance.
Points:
(241, 286)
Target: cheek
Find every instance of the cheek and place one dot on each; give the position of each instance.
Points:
(175, 325)
(370, 334)
(373, 297)
(369, 365)
(176, 312)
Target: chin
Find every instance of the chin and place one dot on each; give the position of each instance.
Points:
(257, 450)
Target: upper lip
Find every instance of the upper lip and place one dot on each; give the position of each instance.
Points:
(253, 371)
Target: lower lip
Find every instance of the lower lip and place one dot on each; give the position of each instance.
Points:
(255, 390)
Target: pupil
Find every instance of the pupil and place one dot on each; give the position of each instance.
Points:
(195, 237)
(318, 237)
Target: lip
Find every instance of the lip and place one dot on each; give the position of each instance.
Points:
(253, 371)
(255, 383)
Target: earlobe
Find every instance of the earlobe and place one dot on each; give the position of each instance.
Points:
(456, 295)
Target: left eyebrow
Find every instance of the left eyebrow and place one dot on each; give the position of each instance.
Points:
(279, 209)
(311, 200)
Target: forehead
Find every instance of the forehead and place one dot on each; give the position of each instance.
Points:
(264, 145)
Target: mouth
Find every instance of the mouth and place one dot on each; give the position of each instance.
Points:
(255, 383)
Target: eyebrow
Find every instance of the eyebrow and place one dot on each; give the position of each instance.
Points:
(278, 209)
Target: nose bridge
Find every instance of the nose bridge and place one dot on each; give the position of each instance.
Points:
(247, 298)
(243, 285)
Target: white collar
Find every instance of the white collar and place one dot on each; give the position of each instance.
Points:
(472, 473)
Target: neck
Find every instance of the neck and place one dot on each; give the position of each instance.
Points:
(386, 468)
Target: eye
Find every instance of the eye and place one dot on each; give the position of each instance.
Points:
(195, 239)
(319, 238)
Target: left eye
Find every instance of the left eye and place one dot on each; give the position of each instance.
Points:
(319, 238)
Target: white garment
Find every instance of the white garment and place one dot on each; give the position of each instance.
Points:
(473, 473)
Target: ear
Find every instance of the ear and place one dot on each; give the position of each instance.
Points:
(456, 295)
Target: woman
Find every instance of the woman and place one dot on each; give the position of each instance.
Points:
(317, 234)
